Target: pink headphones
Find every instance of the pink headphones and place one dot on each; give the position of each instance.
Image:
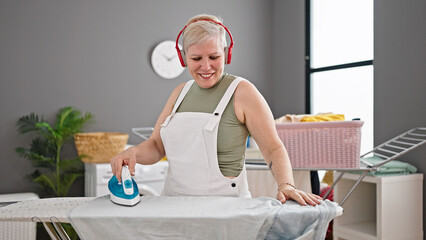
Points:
(228, 50)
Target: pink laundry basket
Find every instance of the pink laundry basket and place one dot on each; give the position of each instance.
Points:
(322, 145)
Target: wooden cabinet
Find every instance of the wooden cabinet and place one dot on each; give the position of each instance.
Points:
(380, 208)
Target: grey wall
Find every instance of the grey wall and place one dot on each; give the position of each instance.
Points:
(400, 74)
(288, 65)
(94, 55)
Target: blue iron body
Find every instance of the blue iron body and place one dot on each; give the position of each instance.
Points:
(117, 193)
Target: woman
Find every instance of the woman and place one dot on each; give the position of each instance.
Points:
(204, 126)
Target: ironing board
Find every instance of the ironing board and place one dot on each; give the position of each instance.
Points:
(49, 211)
(98, 217)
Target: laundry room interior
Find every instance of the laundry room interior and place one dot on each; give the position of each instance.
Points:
(343, 81)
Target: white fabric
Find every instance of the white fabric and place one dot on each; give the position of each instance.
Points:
(190, 143)
(207, 217)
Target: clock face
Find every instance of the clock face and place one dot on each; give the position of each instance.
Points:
(165, 61)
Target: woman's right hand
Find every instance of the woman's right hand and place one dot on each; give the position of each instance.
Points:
(127, 157)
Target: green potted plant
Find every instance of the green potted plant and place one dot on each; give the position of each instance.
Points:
(54, 173)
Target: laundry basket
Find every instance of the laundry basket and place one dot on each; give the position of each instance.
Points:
(100, 147)
(322, 145)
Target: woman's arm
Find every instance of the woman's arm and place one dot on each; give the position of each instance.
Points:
(149, 151)
(252, 109)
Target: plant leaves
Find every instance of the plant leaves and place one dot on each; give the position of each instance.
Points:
(64, 114)
(46, 130)
(43, 147)
(34, 175)
(45, 150)
(47, 180)
(28, 123)
(67, 181)
(38, 159)
(74, 165)
(70, 121)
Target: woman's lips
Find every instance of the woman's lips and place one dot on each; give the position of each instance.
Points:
(206, 75)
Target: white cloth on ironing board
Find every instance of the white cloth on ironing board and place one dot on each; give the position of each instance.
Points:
(210, 217)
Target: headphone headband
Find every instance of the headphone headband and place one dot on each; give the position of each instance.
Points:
(228, 50)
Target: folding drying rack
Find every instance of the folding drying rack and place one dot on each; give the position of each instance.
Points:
(388, 151)
(143, 132)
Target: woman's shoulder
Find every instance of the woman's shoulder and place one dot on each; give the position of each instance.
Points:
(179, 88)
(243, 81)
(246, 92)
(244, 86)
(175, 93)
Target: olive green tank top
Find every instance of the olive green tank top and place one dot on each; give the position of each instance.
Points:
(232, 134)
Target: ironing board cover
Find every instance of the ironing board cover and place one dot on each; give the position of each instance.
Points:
(202, 218)
(42, 210)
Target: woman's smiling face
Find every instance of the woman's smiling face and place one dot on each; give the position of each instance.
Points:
(206, 62)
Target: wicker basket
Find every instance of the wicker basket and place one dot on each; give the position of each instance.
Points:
(100, 147)
(323, 145)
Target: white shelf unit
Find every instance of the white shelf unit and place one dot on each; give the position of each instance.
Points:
(388, 208)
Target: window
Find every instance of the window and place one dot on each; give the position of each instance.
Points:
(339, 65)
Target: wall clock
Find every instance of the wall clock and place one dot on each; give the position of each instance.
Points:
(165, 61)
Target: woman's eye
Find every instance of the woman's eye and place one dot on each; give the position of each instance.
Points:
(199, 58)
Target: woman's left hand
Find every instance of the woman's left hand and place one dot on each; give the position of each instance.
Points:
(288, 192)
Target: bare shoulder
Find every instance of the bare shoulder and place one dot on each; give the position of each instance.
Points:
(247, 93)
(178, 89)
(175, 94)
(166, 110)
(245, 86)
(247, 99)
(171, 101)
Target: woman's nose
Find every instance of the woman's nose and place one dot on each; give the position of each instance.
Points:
(205, 64)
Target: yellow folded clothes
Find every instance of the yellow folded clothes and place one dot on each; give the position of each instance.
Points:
(291, 118)
(323, 118)
(328, 178)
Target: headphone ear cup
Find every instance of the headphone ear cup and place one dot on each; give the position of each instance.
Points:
(228, 55)
(181, 55)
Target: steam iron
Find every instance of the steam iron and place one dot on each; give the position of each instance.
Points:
(125, 193)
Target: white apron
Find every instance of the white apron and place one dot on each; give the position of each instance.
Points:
(190, 143)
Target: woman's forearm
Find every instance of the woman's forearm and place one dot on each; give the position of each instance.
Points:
(147, 152)
(280, 166)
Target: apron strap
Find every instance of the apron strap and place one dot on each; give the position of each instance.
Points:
(179, 100)
(227, 96)
(211, 124)
(182, 95)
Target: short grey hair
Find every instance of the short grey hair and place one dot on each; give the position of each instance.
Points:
(200, 31)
